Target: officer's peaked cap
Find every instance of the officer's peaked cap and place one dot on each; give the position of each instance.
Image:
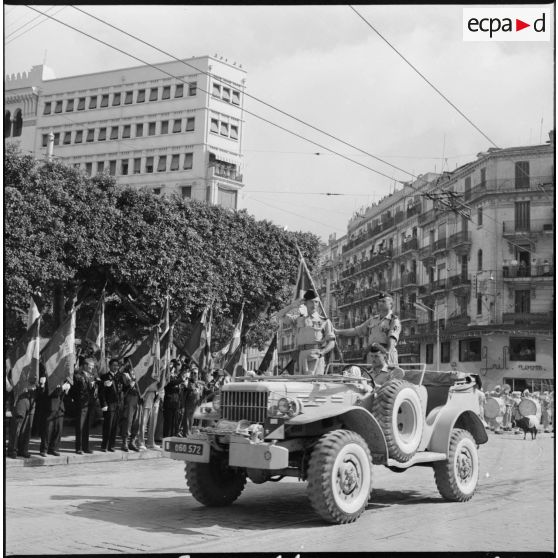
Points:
(310, 295)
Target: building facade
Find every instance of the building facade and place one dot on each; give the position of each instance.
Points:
(475, 249)
(177, 130)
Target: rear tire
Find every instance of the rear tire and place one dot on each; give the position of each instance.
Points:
(398, 409)
(340, 476)
(214, 484)
(457, 477)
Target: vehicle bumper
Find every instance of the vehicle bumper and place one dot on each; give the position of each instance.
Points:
(257, 455)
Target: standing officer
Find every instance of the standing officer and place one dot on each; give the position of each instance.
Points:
(109, 399)
(314, 335)
(84, 394)
(383, 328)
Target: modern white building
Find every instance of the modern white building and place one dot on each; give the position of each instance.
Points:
(176, 128)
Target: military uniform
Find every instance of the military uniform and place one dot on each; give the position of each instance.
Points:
(378, 329)
(312, 333)
(387, 373)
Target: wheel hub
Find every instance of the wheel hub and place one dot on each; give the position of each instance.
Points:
(348, 477)
(464, 466)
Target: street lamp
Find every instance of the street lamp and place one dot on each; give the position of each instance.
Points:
(425, 308)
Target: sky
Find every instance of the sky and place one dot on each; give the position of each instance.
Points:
(327, 67)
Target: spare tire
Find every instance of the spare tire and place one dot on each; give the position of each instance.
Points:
(494, 407)
(398, 409)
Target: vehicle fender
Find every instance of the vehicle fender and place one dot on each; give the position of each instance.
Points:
(448, 419)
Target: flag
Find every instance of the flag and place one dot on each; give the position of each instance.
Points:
(206, 360)
(165, 344)
(23, 359)
(237, 357)
(303, 281)
(59, 354)
(96, 334)
(268, 358)
(234, 343)
(145, 361)
(199, 340)
(165, 337)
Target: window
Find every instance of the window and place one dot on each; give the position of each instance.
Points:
(91, 134)
(149, 164)
(467, 188)
(166, 92)
(479, 260)
(522, 302)
(45, 140)
(114, 133)
(70, 105)
(151, 129)
(429, 353)
(67, 138)
(483, 178)
(116, 99)
(479, 216)
(154, 94)
(236, 97)
(88, 168)
(100, 167)
(93, 102)
(128, 98)
(192, 88)
(124, 166)
(104, 100)
(224, 129)
(522, 175)
(226, 198)
(190, 124)
(79, 136)
(141, 96)
(479, 304)
(157, 191)
(162, 166)
(58, 107)
(216, 92)
(445, 347)
(214, 126)
(112, 168)
(102, 134)
(137, 165)
(139, 130)
(174, 162)
(179, 90)
(522, 348)
(126, 131)
(234, 135)
(226, 94)
(81, 103)
(164, 126)
(188, 161)
(47, 108)
(522, 216)
(186, 191)
(470, 350)
(177, 126)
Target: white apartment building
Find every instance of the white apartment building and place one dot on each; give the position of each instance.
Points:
(175, 131)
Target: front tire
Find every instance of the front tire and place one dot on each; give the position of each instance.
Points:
(457, 477)
(340, 476)
(214, 484)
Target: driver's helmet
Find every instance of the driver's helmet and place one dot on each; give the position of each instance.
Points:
(352, 372)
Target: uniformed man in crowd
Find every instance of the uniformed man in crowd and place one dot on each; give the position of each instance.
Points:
(110, 399)
(84, 393)
(171, 402)
(382, 371)
(383, 328)
(314, 335)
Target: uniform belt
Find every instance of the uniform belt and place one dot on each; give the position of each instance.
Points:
(308, 346)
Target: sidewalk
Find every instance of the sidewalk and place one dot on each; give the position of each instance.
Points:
(68, 455)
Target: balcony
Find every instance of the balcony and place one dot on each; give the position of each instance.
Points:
(425, 290)
(460, 242)
(535, 183)
(532, 227)
(528, 318)
(439, 285)
(223, 171)
(413, 210)
(399, 217)
(459, 281)
(543, 270)
(409, 279)
(440, 245)
(407, 246)
(459, 321)
(426, 253)
(428, 216)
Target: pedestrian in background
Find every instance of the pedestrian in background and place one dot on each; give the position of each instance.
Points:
(193, 395)
(22, 412)
(84, 394)
(110, 400)
(147, 416)
(53, 409)
(171, 403)
(129, 423)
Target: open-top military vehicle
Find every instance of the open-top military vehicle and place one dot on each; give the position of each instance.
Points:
(329, 430)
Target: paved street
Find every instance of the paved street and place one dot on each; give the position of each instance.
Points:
(144, 506)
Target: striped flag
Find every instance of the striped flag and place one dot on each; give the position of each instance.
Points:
(237, 357)
(165, 345)
(145, 361)
(96, 334)
(303, 281)
(206, 353)
(23, 359)
(235, 340)
(59, 354)
(199, 339)
(268, 358)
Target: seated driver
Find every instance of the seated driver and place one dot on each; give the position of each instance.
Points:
(381, 370)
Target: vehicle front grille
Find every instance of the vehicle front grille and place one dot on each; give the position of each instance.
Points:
(244, 405)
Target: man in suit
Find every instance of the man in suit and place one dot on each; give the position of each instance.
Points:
(109, 399)
(22, 412)
(84, 394)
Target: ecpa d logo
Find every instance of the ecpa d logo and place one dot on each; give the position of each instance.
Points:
(507, 24)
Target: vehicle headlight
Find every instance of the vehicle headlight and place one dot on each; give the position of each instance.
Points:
(283, 405)
(288, 406)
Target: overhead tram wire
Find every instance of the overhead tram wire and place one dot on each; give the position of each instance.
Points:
(269, 105)
(9, 40)
(422, 76)
(201, 89)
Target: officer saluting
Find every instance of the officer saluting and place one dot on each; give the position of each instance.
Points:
(383, 328)
(314, 335)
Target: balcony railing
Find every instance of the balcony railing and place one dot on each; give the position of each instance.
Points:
(226, 172)
(543, 270)
(425, 252)
(459, 280)
(408, 279)
(411, 244)
(439, 285)
(440, 244)
(399, 217)
(510, 185)
(463, 237)
(528, 318)
(531, 226)
(458, 321)
(428, 216)
(413, 210)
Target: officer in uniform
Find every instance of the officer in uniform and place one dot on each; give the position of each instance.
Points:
(382, 372)
(314, 336)
(383, 328)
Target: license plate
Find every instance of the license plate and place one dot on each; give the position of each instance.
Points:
(183, 447)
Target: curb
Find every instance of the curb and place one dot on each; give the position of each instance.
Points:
(74, 459)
